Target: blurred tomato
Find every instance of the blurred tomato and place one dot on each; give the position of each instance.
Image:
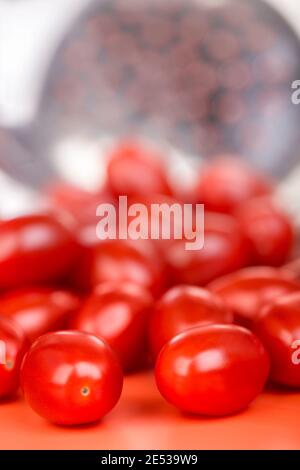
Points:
(224, 251)
(213, 370)
(279, 330)
(134, 170)
(39, 310)
(247, 291)
(119, 314)
(181, 308)
(227, 182)
(34, 249)
(269, 231)
(13, 346)
(71, 378)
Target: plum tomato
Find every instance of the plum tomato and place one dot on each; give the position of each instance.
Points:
(34, 249)
(39, 310)
(124, 261)
(224, 251)
(279, 330)
(181, 308)
(71, 378)
(13, 346)
(212, 370)
(227, 182)
(269, 231)
(119, 314)
(134, 170)
(246, 291)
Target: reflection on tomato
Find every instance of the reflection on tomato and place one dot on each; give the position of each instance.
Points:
(70, 378)
(213, 370)
(119, 314)
(181, 308)
(247, 291)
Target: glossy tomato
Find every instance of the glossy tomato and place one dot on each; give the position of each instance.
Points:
(39, 310)
(213, 370)
(279, 330)
(70, 378)
(247, 291)
(269, 231)
(119, 314)
(134, 170)
(13, 346)
(181, 308)
(224, 251)
(227, 182)
(34, 249)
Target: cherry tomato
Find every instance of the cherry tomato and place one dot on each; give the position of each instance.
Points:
(279, 330)
(70, 378)
(39, 310)
(136, 171)
(269, 231)
(119, 314)
(123, 261)
(213, 370)
(246, 291)
(34, 249)
(13, 346)
(224, 251)
(227, 182)
(181, 308)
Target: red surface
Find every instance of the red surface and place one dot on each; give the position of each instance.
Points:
(142, 420)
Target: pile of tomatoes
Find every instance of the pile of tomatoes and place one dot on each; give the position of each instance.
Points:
(77, 313)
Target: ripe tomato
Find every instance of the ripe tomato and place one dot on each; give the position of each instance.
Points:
(181, 308)
(39, 310)
(213, 370)
(279, 330)
(119, 314)
(136, 171)
(34, 249)
(123, 261)
(13, 346)
(224, 251)
(269, 231)
(227, 182)
(69, 378)
(246, 291)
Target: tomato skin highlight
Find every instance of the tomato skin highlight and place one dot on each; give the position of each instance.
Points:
(245, 292)
(34, 249)
(15, 345)
(119, 314)
(213, 370)
(268, 230)
(71, 378)
(39, 310)
(181, 308)
(228, 182)
(279, 330)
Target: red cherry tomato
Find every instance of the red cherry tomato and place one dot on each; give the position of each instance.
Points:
(224, 251)
(123, 261)
(181, 308)
(34, 249)
(269, 231)
(70, 378)
(136, 171)
(228, 182)
(119, 314)
(13, 346)
(213, 370)
(39, 310)
(247, 291)
(279, 330)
